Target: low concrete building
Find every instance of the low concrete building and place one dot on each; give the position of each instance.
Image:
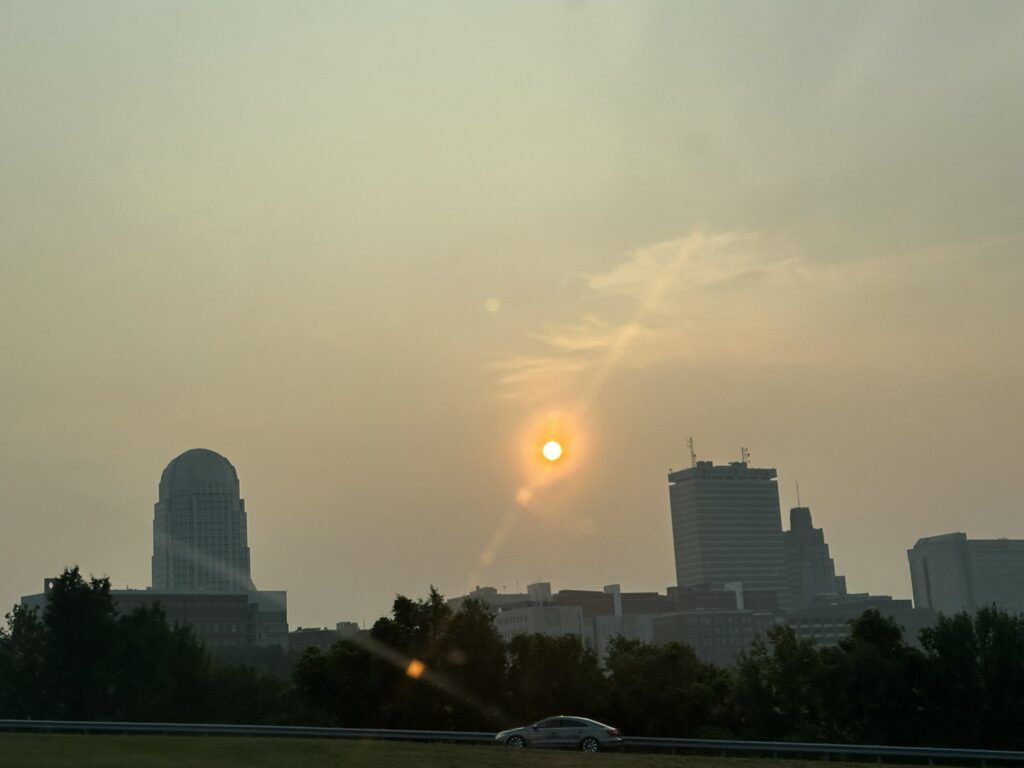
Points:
(601, 630)
(826, 621)
(304, 638)
(490, 597)
(323, 638)
(219, 619)
(541, 620)
(716, 636)
(594, 616)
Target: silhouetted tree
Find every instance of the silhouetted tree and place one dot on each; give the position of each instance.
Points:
(779, 688)
(872, 684)
(240, 694)
(412, 696)
(427, 667)
(472, 657)
(269, 659)
(79, 647)
(338, 687)
(665, 690)
(551, 675)
(161, 673)
(22, 666)
(975, 691)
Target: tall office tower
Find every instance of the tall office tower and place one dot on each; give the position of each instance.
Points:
(951, 573)
(727, 527)
(811, 570)
(199, 529)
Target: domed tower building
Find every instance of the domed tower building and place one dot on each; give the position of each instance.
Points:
(200, 541)
(201, 561)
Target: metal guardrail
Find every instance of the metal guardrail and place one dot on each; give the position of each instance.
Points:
(214, 729)
(828, 751)
(632, 743)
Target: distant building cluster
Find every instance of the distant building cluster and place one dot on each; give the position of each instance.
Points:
(738, 573)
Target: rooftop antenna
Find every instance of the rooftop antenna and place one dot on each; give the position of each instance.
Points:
(798, 493)
(744, 454)
(693, 455)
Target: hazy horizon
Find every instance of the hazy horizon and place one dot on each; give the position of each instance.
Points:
(373, 253)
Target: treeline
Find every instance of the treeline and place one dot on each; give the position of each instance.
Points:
(80, 660)
(425, 666)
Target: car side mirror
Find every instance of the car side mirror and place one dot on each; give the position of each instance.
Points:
(534, 727)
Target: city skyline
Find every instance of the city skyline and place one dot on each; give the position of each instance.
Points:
(378, 254)
(203, 485)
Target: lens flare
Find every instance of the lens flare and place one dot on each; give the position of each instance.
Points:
(552, 450)
(415, 669)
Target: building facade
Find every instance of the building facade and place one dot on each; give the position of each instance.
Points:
(594, 616)
(200, 538)
(826, 621)
(809, 567)
(951, 573)
(727, 527)
(219, 619)
(550, 620)
(717, 637)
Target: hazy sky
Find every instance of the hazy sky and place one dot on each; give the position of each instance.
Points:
(366, 250)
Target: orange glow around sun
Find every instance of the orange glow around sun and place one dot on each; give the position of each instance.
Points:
(552, 448)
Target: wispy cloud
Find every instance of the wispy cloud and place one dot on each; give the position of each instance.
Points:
(629, 312)
(733, 297)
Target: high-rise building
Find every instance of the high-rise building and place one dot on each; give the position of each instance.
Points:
(200, 541)
(951, 573)
(201, 561)
(810, 568)
(727, 527)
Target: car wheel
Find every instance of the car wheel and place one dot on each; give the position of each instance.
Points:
(515, 742)
(589, 744)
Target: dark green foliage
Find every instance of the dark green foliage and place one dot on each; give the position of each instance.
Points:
(778, 689)
(463, 666)
(416, 626)
(240, 694)
(271, 659)
(337, 688)
(413, 633)
(425, 666)
(472, 657)
(658, 690)
(22, 666)
(552, 675)
(976, 679)
(84, 662)
(160, 673)
(79, 647)
(872, 685)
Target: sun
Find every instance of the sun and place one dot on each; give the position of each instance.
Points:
(552, 450)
